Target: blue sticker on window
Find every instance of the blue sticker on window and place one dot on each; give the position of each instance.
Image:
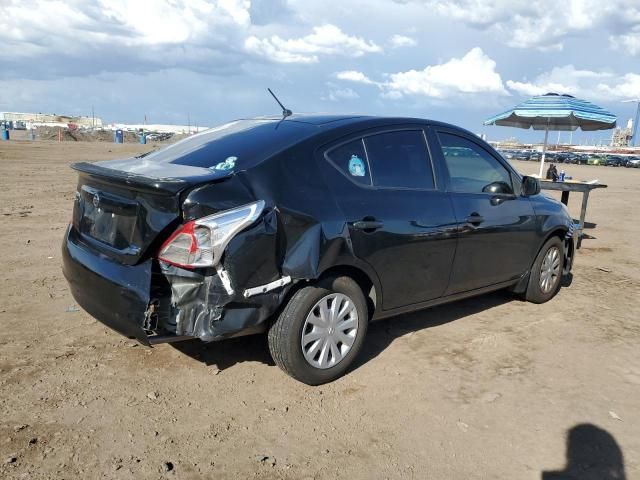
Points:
(356, 166)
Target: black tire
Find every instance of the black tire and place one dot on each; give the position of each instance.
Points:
(535, 293)
(285, 335)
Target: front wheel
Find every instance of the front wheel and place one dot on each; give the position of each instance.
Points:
(546, 272)
(320, 331)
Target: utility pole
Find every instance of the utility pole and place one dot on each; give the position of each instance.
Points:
(93, 118)
(634, 135)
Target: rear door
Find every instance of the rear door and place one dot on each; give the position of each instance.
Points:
(399, 221)
(496, 225)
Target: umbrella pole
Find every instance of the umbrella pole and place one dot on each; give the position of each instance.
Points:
(544, 150)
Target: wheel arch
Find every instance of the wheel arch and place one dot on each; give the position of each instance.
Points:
(369, 286)
(569, 246)
(561, 233)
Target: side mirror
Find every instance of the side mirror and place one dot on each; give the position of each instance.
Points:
(498, 188)
(530, 186)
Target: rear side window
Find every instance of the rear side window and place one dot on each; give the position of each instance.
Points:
(400, 159)
(352, 160)
(471, 168)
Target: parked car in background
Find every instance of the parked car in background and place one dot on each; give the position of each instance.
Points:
(596, 160)
(634, 162)
(614, 161)
(576, 158)
(521, 155)
(307, 228)
(508, 154)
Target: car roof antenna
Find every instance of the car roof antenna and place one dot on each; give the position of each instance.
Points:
(285, 111)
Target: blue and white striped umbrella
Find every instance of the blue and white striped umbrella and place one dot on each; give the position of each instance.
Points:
(555, 112)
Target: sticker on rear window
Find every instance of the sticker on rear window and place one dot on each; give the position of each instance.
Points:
(356, 166)
(228, 164)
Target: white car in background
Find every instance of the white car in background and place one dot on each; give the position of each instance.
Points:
(634, 162)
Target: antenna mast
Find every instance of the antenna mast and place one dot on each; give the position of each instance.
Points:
(285, 111)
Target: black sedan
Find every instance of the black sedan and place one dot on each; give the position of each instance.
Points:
(308, 228)
(615, 161)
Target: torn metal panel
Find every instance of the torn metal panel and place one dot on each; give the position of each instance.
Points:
(224, 279)
(197, 301)
(254, 257)
(200, 306)
(304, 255)
(210, 304)
(281, 282)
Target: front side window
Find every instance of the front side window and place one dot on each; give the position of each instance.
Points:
(351, 159)
(471, 168)
(400, 159)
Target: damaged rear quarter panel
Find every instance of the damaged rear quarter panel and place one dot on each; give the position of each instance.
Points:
(300, 234)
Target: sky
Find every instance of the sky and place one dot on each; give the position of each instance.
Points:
(207, 62)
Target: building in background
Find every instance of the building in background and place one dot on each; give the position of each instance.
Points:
(31, 120)
(622, 136)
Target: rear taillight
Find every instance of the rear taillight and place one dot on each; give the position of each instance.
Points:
(200, 243)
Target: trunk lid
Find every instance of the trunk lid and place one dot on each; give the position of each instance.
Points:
(124, 214)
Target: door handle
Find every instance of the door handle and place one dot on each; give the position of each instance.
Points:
(475, 219)
(370, 225)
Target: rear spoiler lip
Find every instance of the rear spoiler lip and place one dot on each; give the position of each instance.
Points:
(170, 186)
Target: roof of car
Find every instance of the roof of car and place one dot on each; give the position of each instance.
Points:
(316, 119)
(332, 120)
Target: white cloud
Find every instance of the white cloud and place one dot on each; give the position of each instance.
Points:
(398, 41)
(272, 49)
(626, 87)
(118, 22)
(629, 42)
(587, 84)
(474, 73)
(40, 38)
(471, 74)
(325, 40)
(532, 89)
(542, 24)
(338, 94)
(566, 79)
(354, 76)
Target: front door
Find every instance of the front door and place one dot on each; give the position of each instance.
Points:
(496, 225)
(398, 220)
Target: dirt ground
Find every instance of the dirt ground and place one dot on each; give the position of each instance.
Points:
(486, 388)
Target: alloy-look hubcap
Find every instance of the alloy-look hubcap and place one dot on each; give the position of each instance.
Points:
(329, 331)
(550, 270)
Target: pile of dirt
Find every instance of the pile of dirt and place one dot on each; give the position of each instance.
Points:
(67, 135)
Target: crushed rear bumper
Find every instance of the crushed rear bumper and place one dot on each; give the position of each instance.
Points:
(117, 295)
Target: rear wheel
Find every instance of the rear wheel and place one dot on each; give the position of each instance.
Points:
(546, 273)
(320, 331)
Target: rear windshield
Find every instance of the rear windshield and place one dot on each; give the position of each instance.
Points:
(236, 145)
